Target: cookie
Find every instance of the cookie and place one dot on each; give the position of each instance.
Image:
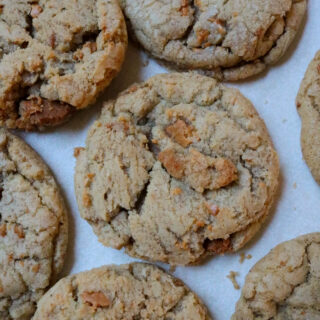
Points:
(285, 284)
(134, 291)
(33, 229)
(55, 57)
(308, 104)
(176, 168)
(230, 40)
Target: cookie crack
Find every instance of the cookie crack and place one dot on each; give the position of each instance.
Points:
(175, 308)
(32, 183)
(44, 204)
(142, 196)
(74, 290)
(306, 280)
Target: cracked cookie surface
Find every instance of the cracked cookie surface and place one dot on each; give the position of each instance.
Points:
(285, 284)
(33, 229)
(308, 104)
(176, 168)
(230, 40)
(55, 58)
(134, 291)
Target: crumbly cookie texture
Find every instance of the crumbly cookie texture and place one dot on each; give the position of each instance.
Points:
(176, 168)
(55, 57)
(33, 229)
(135, 291)
(230, 40)
(285, 284)
(308, 104)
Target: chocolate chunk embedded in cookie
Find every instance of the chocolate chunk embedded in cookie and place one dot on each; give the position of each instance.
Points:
(55, 58)
(177, 168)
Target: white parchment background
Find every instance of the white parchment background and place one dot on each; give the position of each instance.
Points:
(296, 210)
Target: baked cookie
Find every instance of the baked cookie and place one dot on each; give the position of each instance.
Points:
(176, 168)
(33, 229)
(230, 40)
(308, 103)
(55, 57)
(134, 291)
(285, 284)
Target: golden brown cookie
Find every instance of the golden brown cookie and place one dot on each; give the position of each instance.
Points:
(175, 169)
(33, 229)
(134, 291)
(230, 40)
(285, 284)
(55, 58)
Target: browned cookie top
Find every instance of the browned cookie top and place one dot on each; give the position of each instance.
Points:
(55, 57)
(177, 168)
(232, 39)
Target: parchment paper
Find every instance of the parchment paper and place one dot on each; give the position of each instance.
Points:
(296, 210)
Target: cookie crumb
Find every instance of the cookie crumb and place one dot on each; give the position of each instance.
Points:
(145, 62)
(172, 268)
(77, 151)
(243, 257)
(232, 276)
